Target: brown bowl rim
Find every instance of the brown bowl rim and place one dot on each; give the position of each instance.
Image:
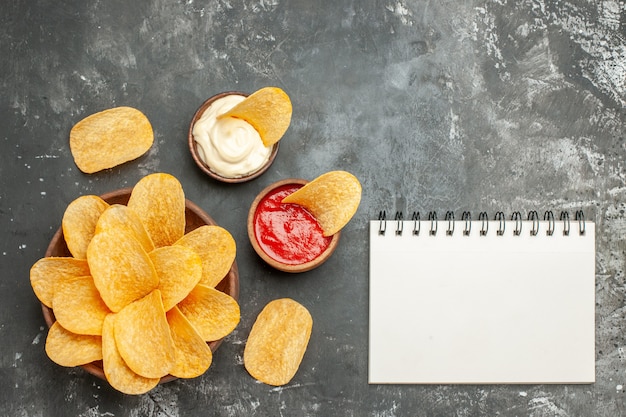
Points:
(307, 266)
(193, 146)
(230, 280)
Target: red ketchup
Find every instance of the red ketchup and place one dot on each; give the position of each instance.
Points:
(287, 232)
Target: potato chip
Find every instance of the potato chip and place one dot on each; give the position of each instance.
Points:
(193, 355)
(117, 373)
(332, 198)
(268, 110)
(69, 349)
(121, 269)
(119, 216)
(78, 306)
(213, 313)
(216, 248)
(79, 223)
(46, 272)
(110, 138)
(179, 270)
(277, 341)
(143, 337)
(159, 201)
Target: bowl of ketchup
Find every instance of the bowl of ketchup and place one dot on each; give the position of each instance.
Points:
(285, 235)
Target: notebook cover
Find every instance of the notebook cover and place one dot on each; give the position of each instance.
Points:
(482, 309)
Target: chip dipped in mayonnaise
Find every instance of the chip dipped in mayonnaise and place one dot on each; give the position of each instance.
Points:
(230, 146)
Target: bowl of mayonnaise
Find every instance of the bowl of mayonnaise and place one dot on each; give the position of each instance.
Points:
(227, 149)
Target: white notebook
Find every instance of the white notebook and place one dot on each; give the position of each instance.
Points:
(505, 301)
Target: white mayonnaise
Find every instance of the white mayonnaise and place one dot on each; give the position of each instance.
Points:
(230, 147)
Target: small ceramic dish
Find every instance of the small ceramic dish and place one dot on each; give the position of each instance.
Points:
(264, 241)
(195, 153)
(194, 217)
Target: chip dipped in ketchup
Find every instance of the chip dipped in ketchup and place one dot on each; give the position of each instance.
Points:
(286, 235)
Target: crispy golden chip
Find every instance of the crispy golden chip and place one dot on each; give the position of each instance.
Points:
(119, 216)
(159, 201)
(179, 270)
(117, 373)
(213, 313)
(268, 110)
(69, 349)
(121, 269)
(332, 198)
(193, 355)
(46, 272)
(143, 337)
(110, 138)
(79, 223)
(78, 306)
(216, 248)
(277, 341)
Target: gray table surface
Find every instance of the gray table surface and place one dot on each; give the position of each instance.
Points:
(433, 105)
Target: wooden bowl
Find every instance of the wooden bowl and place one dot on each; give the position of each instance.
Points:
(193, 146)
(303, 267)
(194, 217)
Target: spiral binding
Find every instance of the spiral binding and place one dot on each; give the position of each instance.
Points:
(483, 218)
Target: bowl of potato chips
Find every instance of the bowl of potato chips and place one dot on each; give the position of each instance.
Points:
(138, 286)
(294, 225)
(234, 136)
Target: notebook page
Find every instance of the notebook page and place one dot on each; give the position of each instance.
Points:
(482, 309)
